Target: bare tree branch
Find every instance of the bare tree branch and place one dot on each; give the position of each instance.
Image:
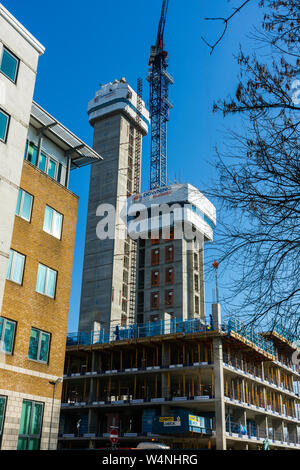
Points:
(226, 22)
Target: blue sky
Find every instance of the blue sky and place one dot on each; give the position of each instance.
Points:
(93, 42)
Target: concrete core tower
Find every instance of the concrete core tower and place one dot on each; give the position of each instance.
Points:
(119, 119)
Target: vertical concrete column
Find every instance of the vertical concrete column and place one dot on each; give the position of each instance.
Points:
(216, 316)
(165, 392)
(219, 394)
(219, 381)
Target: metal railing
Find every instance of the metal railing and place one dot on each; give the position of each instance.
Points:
(247, 332)
(256, 431)
(137, 330)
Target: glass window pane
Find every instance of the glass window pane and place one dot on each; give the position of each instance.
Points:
(9, 264)
(32, 154)
(45, 339)
(22, 443)
(17, 274)
(9, 336)
(19, 201)
(51, 168)
(42, 162)
(33, 344)
(3, 125)
(48, 219)
(36, 423)
(1, 327)
(33, 444)
(25, 418)
(9, 65)
(41, 279)
(26, 209)
(2, 411)
(50, 289)
(57, 224)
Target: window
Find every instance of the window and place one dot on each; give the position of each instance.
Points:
(155, 241)
(196, 304)
(7, 335)
(39, 345)
(169, 254)
(4, 123)
(46, 281)
(154, 300)
(2, 413)
(124, 305)
(169, 276)
(24, 205)
(30, 426)
(154, 278)
(15, 267)
(154, 257)
(48, 165)
(171, 237)
(52, 222)
(196, 279)
(9, 65)
(42, 162)
(169, 297)
(196, 261)
(31, 153)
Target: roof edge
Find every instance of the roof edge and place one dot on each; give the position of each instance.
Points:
(21, 30)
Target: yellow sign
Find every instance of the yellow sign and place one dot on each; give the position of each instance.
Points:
(166, 419)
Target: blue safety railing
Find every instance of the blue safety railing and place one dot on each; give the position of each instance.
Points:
(137, 330)
(284, 332)
(247, 332)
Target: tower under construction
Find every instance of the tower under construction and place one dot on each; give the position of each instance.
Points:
(120, 120)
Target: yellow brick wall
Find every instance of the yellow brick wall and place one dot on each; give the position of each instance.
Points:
(22, 303)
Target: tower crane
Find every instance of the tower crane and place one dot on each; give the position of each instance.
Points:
(160, 105)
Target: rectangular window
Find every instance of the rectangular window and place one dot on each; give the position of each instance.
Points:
(46, 281)
(51, 171)
(53, 222)
(196, 262)
(154, 278)
(169, 254)
(30, 425)
(154, 257)
(4, 124)
(171, 237)
(31, 153)
(39, 345)
(7, 335)
(196, 304)
(196, 282)
(169, 276)
(2, 413)
(24, 205)
(9, 65)
(154, 300)
(42, 162)
(169, 297)
(15, 267)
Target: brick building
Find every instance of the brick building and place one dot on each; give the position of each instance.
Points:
(37, 235)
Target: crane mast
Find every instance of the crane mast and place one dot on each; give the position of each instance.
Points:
(160, 105)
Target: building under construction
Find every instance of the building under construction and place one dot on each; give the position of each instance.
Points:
(188, 384)
(164, 372)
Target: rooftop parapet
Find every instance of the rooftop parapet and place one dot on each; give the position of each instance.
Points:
(118, 96)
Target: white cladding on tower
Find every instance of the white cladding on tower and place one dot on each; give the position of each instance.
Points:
(118, 96)
(186, 202)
